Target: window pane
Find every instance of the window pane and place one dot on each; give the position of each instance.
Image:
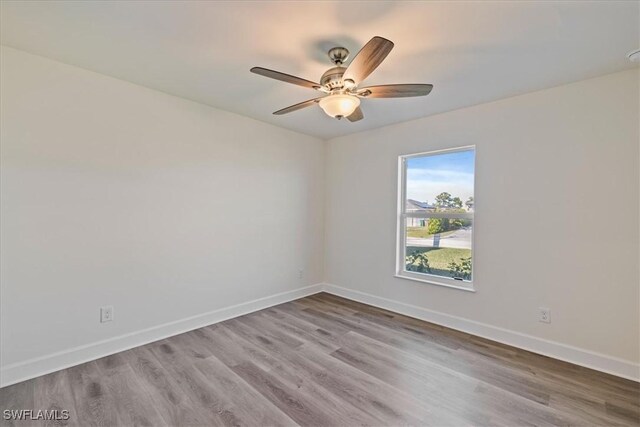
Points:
(439, 246)
(442, 182)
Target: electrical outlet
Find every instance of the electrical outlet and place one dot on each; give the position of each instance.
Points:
(300, 274)
(544, 314)
(106, 314)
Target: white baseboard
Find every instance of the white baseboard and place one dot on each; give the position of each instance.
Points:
(600, 362)
(36, 367)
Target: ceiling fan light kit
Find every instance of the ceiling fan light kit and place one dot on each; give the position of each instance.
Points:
(340, 105)
(339, 84)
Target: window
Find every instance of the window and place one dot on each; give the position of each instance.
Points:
(435, 217)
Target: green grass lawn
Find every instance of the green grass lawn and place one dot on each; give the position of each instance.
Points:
(423, 232)
(439, 258)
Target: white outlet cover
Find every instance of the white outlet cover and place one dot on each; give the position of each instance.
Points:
(544, 314)
(106, 314)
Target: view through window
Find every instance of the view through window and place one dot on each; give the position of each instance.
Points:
(436, 216)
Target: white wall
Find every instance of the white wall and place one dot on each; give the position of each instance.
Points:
(114, 194)
(556, 224)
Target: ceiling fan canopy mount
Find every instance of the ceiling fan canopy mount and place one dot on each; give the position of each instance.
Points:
(339, 84)
(338, 55)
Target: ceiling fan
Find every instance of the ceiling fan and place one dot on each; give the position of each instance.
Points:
(339, 84)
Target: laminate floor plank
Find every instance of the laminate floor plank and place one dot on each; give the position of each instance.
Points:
(194, 344)
(53, 392)
(307, 392)
(328, 339)
(15, 398)
(352, 389)
(207, 399)
(93, 402)
(326, 361)
(256, 408)
(134, 406)
(479, 368)
(225, 345)
(297, 406)
(358, 388)
(298, 330)
(168, 398)
(457, 393)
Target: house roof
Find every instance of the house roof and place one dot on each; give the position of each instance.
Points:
(420, 205)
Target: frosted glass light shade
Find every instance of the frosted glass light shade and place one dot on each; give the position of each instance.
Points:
(339, 105)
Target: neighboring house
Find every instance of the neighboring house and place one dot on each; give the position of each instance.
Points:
(416, 206)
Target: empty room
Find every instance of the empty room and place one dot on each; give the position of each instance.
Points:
(319, 213)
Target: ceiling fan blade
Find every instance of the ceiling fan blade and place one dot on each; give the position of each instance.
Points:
(356, 115)
(395, 91)
(368, 59)
(298, 106)
(285, 77)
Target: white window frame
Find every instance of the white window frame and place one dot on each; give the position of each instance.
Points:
(401, 247)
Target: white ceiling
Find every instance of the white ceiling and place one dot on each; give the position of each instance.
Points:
(472, 52)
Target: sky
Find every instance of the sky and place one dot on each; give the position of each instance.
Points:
(428, 176)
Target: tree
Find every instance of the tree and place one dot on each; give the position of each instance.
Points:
(443, 200)
(435, 226)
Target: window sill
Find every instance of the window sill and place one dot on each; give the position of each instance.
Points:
(467, 287)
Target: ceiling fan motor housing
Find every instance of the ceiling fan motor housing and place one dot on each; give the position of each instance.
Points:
(332, 78)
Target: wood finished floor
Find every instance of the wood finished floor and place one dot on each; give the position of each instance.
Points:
(327, 361)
